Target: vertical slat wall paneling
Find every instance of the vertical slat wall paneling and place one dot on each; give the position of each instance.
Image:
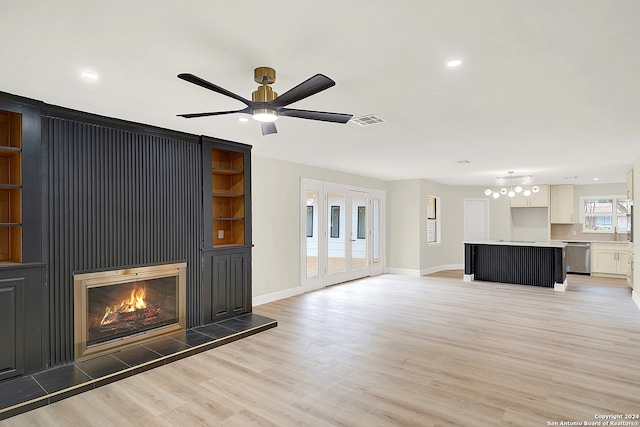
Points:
(118, 198)
(526, 265)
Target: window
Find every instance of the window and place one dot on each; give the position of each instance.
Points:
(362, 222)
(335, 222)
(433, 219)
(605, 214)
(309, 221)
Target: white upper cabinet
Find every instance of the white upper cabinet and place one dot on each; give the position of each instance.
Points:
(561, 204)
(536, 200)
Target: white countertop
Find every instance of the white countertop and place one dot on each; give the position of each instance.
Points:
(547, 244)
(622, 242)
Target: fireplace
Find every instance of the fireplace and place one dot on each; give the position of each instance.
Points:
(116, 308)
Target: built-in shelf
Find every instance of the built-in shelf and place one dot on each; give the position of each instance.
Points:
(227, 198)
(10, 187)
(226, 275)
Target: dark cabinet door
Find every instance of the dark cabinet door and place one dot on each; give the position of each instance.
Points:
(227, 289)
(11, 328)
(220, 286)
(21, 321)
(238, 283)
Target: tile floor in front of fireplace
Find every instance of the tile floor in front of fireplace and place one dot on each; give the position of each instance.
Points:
(29, 392)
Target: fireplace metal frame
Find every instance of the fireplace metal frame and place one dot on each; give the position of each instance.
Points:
(85, 281)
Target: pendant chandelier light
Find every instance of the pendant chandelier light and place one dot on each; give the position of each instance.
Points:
(512, 191)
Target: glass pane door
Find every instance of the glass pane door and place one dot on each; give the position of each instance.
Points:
(312, 234)
(341, 233)
(359, 228)
(337, 243)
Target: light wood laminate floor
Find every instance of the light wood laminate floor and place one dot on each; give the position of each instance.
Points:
(397, 350)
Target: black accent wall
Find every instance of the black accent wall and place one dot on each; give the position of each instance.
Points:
(100, 194)
(117, 198)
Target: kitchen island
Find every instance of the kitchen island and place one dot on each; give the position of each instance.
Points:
(518, 262)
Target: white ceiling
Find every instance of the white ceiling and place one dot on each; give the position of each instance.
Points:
(548, 88)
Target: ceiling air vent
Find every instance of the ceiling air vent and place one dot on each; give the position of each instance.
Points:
(369, 119)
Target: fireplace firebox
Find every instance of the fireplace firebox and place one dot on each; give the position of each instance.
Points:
(116, 308)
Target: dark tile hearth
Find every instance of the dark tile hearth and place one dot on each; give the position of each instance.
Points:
(29, 392)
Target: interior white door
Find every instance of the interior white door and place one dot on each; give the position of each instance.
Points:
(476, 219)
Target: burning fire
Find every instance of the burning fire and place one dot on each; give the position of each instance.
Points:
(135, 302)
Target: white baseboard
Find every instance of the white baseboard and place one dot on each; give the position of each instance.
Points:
(441, 268)
(275, 296)
(403, 271)
(636, 297)
(411, 272)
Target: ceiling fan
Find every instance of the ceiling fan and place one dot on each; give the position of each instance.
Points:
(265, 105)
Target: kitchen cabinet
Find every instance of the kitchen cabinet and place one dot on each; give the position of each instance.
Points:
(536, 200)
(630, 185)
(561, 204)
(610, 259)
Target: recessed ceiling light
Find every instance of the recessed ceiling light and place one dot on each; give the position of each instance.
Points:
(596, 179)
(87, 75)
(453, 63)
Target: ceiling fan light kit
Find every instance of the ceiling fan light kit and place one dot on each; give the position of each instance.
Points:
(264, 76)
(266, 106)
(264, 115)
(512, 191)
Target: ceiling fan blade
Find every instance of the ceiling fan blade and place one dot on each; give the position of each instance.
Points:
(315, 115)
(215, 113)
(205, 84)
(268, 128)
(309, 87)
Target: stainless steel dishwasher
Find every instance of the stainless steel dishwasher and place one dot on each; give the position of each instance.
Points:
(578, 257)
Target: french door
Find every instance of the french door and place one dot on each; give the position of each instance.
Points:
(341, 239)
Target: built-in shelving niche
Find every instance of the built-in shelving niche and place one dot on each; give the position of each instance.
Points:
(10, 187)
(227, 198)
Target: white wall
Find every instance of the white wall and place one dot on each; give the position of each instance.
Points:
(407, 248)
(530, 224)
(276, 219)
(451, 251)
(403, 226)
